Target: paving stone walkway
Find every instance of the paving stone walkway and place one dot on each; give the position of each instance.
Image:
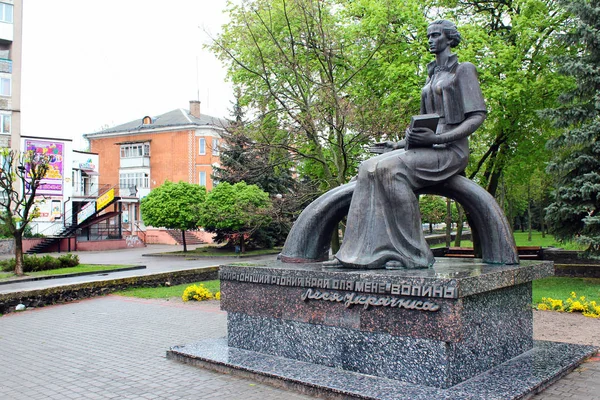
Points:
(114, 348)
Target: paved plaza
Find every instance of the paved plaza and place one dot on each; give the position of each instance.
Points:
(114, 347)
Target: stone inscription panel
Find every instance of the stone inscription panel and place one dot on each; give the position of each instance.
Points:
(359, 286)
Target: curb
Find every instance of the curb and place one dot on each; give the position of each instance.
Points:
(43, 278)
(78, 291)
(201, 256)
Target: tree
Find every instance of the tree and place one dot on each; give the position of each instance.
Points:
(433, 210)
(575, 210)
(234, 212)
(511, 42)
(174, 206)
(20, 177)
(307, 65)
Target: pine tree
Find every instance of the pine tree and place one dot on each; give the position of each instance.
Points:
(575, 211)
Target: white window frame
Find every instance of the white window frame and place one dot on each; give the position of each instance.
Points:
(135, 150)
(201, 146)
(202, 177)
(3, 119)
(215, 147)
(2, 83)
(140, 180)
(6, 13)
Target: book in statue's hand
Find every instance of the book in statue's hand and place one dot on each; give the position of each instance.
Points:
(423, 121)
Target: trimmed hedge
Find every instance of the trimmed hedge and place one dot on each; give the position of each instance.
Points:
(44, 263)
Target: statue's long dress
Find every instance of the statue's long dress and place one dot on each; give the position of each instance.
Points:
(384, 222)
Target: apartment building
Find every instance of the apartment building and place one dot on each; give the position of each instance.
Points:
(10, 73)
(179, 145)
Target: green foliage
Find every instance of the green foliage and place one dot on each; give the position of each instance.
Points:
(322, 72)
(44, 263)
(235, 211)
(511, 43)
(433, 209)
(575, 210)
(173, 206)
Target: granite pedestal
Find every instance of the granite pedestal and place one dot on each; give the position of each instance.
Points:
(424, 332)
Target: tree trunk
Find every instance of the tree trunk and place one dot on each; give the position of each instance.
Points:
(183, 239)
(430, 228)
(448, 222)
(529, 212)
(18, 254)
(335, 239)
(459, 226)
(242, 244)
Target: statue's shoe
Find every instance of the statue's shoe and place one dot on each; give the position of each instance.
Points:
(334, 263)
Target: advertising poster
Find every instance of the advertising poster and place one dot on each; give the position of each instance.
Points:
(52, 184)
(87, 211)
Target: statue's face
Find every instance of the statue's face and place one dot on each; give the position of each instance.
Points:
(437, 39)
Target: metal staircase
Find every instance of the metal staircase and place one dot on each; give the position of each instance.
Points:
(68, 230)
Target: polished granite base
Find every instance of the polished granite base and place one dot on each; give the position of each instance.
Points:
(524, 375)
(435, 327)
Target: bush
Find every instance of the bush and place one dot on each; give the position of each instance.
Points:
(44, 263)
(196, 292)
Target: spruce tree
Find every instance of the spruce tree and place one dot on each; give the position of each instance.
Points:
(575, 211)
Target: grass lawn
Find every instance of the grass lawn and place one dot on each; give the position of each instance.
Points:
(521, 238)
(81, 268)
(561, 288)
(167, 291)
(213, 251)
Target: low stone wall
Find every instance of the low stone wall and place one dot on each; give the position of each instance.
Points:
(110, 244)
(438, 239)
(7, 246)
(63, 294)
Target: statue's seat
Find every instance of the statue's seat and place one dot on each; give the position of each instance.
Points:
(310, 236)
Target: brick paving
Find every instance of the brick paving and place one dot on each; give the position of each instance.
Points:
(114, 348)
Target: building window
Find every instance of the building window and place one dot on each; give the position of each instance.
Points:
(6, 13)
(202, 180)
(202, 146)
(5, 86)
(135, 150)
(215, 147)
(131, 179)
(5, 123)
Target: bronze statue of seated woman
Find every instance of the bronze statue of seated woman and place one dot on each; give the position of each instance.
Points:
(383, 227)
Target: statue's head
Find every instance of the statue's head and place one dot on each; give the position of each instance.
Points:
(450, 30)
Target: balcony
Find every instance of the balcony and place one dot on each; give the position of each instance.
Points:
(135, 162)
(6, 31)
(5, 65)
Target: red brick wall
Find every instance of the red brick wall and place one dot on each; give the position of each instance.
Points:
(169, 157)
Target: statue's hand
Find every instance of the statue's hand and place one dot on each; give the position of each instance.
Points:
(384, 147)
(421, 137)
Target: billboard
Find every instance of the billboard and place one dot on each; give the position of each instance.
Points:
(52, 183)
(105, 199)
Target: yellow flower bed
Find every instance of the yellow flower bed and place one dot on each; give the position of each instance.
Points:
(572, 304)
(196, 292)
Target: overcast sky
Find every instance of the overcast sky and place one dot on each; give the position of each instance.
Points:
(87, 64)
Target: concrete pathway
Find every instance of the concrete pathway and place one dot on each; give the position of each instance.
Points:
(114, 347)
(134, 256)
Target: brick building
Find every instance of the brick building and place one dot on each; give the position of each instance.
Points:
(180, 145)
